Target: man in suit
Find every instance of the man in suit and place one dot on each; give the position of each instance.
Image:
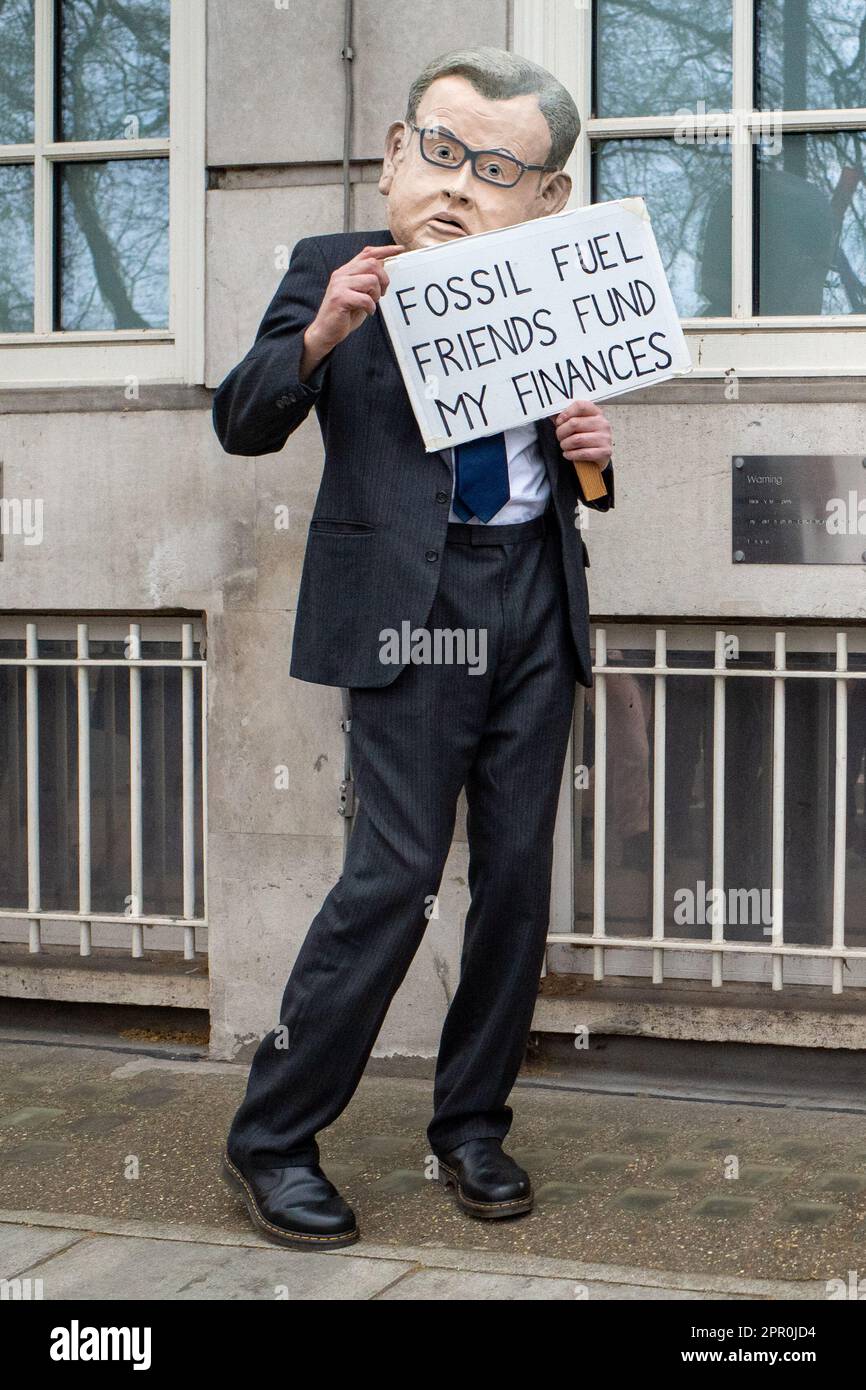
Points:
(481, 542)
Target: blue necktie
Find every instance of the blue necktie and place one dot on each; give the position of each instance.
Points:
(481, 487)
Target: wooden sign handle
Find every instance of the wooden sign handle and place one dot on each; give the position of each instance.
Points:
(591, 481)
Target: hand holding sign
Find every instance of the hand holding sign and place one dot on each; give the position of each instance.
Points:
(353, 292)
(504, 327)
(584, 436)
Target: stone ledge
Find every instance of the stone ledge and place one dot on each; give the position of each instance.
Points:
(109, 976)
(687, 1010)
(78, 400)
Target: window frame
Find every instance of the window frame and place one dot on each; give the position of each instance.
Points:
(48, 357)
(559, 35)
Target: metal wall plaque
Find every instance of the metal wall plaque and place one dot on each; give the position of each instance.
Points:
(799, 509)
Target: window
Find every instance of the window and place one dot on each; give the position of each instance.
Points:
(743, 125)
(101, 190)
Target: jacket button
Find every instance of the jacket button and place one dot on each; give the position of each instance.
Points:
(432, 555)
(442, 497)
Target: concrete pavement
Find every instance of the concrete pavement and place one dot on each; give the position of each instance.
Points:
(57, 1256)
(110, 1187)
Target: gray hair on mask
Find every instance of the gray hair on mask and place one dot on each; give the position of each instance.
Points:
(498, 75)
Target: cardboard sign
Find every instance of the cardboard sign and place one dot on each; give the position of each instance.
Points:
(506, 327)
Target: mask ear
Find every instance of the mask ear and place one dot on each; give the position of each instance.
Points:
(557, 192)
(395, 146)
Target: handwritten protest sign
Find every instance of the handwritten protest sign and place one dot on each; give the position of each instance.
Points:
(506, 327)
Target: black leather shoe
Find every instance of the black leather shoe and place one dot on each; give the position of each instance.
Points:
(488, 1183)
(299, 1207)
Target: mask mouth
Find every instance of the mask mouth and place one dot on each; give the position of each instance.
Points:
(446, 219)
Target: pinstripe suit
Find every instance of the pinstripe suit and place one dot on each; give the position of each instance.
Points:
(381, 553)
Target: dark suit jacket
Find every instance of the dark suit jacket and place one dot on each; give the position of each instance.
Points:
(377, 535)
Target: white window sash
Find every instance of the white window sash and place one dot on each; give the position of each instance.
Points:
(558, 34)
(122, 357)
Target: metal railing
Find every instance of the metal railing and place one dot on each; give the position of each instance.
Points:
(83, 664)
(660, 940)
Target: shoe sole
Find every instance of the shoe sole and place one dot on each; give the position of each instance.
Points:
(484, 1211)
(296, 1240)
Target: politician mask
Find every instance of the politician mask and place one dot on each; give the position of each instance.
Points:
(435, 195)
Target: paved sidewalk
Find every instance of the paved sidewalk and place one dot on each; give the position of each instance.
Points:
(132, 1260)
(110, 1188)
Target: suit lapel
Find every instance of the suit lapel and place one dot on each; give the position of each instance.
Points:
(388, 344)
(385, 239)
(550, 450)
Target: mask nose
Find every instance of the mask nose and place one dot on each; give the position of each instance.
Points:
(459, 183)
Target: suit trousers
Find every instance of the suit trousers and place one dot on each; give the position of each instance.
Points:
(498, 727)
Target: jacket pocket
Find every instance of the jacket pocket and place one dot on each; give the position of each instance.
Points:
(341, 528)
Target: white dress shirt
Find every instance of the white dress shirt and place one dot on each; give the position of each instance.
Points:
(527, 479)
